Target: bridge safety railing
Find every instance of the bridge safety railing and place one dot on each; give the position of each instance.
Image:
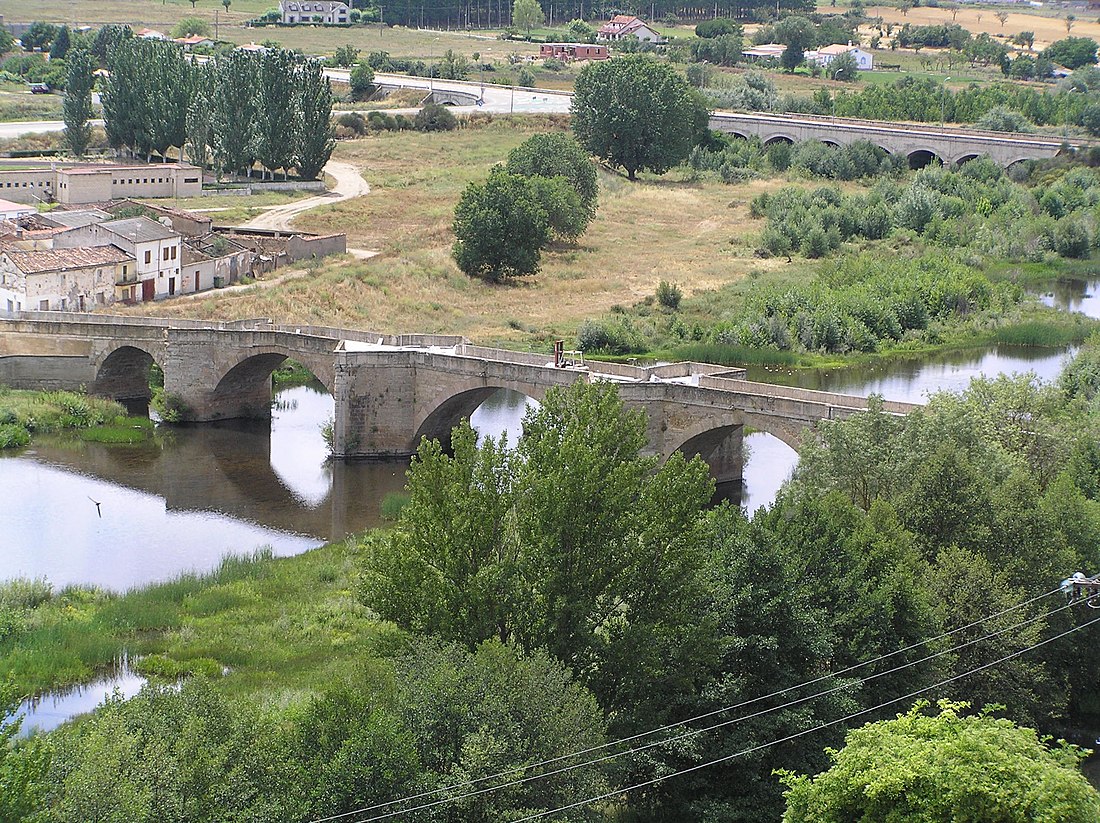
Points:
(771, 390)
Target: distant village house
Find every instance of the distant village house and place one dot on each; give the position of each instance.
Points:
(573, 51)
(623, 26)
(865, 61)
(325, 12)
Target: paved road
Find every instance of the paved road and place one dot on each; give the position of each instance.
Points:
(498, 99)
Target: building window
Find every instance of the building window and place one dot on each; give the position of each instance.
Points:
(43, 305)
(190, 180)
(166, 254)
(124, 271)
(148, 257)
(173, 252)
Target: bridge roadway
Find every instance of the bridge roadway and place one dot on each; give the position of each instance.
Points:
(392, 390)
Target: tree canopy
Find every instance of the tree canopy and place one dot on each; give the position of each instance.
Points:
(500, 228)
(945, 768)
(637, 114)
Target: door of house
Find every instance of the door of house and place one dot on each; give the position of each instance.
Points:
(196, 281)
(171, 286)
(148, 290)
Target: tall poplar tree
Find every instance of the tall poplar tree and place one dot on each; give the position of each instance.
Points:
(77, 107)
(314, 98)
(199, 111)
(275, 111)
(233, 113)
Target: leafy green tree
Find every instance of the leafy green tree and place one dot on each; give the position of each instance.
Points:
(611, 594)
(7, 41)
(189, 26)
(106, 38)
(276, 119)
(844, 67)
(558, 155)
(435, 117)
(200, 110)
(23, 764)
(77, 106)
(581, 32)
(1072, 52)
(38, 36)
(61, 43)
(346, 56)
(362, 81)
(792, 57)
(565, 214)
(943, 768)
(500, 228)
(481, 712)
(655, 120)
(233, 112)
(527, 15)
(315, 142)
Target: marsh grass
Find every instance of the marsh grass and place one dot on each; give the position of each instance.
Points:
(275, 624)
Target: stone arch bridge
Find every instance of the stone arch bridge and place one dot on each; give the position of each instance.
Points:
(920, 144)
(392, 390)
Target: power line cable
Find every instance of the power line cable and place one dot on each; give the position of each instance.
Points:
(694, 732)
(804, 732)
(704, 716)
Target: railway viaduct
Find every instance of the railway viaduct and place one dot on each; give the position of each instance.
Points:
(392, 390)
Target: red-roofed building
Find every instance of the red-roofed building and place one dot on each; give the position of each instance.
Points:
(573, 51)
(623, 26)
(62, 279)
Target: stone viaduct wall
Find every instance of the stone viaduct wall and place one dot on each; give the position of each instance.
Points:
(918, 143)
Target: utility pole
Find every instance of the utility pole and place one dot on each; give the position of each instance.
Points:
(1082, 588)
(215, 25)
(381, 11)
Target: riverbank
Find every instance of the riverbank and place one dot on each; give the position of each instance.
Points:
(263, 625)
(25, 415)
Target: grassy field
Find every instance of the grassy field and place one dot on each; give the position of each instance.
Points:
(17, 103)
(696, 234)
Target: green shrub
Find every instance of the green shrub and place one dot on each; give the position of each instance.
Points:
(669, 295)
(392, 505)
(13, 436)
(434, 117)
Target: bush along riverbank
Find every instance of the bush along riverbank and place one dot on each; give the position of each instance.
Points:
(856, 307)
(25, 415)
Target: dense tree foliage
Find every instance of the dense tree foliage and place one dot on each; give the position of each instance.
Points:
(655, 120)
(273, 108)
(1072, 52)
(77, 108)
(500, 228)
(937, 769)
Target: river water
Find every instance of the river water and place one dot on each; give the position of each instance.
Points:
(124, 516)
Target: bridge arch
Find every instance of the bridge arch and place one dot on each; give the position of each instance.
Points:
(965, 158)
(777, 138)
(438, 422)
(244, 389)
(919, 158)
(123, 372)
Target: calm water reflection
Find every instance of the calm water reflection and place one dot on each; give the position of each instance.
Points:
(913, 380)
(1082, 296)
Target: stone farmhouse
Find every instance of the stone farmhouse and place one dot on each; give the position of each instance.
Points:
(325, 12)
(78, 260)
(623, 26)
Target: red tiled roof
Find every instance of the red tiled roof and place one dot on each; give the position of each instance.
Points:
(34, 262)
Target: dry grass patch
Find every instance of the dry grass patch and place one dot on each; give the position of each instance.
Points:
(697, 234)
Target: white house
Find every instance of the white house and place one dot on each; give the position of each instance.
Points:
(155, 248)
(10, 210)
(865, 61)
(326, 12)
(62, 279)
(623, 26)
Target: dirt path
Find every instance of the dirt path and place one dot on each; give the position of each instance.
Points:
(349, 184)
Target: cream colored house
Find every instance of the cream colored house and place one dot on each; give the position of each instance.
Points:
(155, 248)
(62, 279)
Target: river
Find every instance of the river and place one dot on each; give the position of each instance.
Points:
(123, 516)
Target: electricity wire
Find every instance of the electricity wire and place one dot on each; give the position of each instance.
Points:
(693, 732)
(804, 732)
